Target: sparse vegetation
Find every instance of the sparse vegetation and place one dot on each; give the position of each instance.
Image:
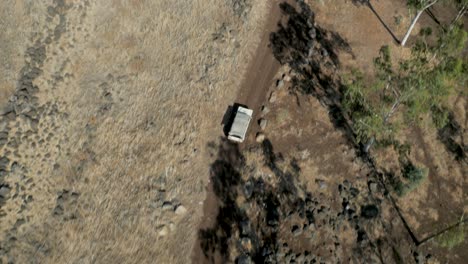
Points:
(412, 178)
(403, 95)
(452, 237)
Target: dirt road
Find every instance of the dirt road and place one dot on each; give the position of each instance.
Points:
(253, 92)
(261, 72)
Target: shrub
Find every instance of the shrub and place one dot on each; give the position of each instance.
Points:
(452, 237)
(412, 178)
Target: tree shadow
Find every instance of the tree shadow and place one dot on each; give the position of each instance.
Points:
(312, 53)
(272, 204)
(447, 134)
(371, 7)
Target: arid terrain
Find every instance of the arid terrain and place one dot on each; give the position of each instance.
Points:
(113, 116)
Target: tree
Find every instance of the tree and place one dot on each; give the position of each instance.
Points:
(420, 6)
(401, 94)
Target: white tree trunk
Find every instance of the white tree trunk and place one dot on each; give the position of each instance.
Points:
(408, 33)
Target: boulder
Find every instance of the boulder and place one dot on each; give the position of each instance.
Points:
(262, 123)
(180, 210)
(260, 137)
(279, 84)
(273, 97)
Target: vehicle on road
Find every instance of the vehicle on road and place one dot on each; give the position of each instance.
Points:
(242, 117)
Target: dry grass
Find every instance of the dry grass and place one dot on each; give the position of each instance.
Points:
(144, 89)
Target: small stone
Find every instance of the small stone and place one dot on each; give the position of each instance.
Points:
(273, 97)
(373, 187)
(172, 227)
(164, 231)
(296, 231)
(322, 184)
(4, 191)
(246, 243)
(279, 84)
(262, 123)
(265, 110)
(244, 259)
(181, 210)
(167, 206)
(260, 137)
(287, 78)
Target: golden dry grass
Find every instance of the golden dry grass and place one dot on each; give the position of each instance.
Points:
(169, 84)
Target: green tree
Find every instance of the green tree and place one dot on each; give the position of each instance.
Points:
(422, 5)
(412, 88)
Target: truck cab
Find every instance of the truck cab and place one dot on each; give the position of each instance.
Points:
(242, 117)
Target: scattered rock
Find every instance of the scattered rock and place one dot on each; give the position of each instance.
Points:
(4, 191)
(322, 184)
(273, 97)
(248, 189)
(167, 206)
(260, 137)
(246, 243)
(296, 231)
(373, 187)
(265, 110)
(244, 259)
(262, 123)
(279, 84)
(172, 226)
(164, 231)
(181, 210)
(369, 211)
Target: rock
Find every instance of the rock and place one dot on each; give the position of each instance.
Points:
(181, 210)
(262, 123)
(322, 184)
(279, 84)
(164, 231)
(260, 137)
(373, 187)
(4, 162)
(245, 228)
(248, 189)
(273, 97)
(369, 211)
(287, 78)
(4, 190)
(244, 259)
(167, 206)
(246, 243)
(172, 227)
(9, 108)
(296, 231)
(265, 110)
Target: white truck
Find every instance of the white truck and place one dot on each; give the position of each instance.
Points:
(240, 124)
